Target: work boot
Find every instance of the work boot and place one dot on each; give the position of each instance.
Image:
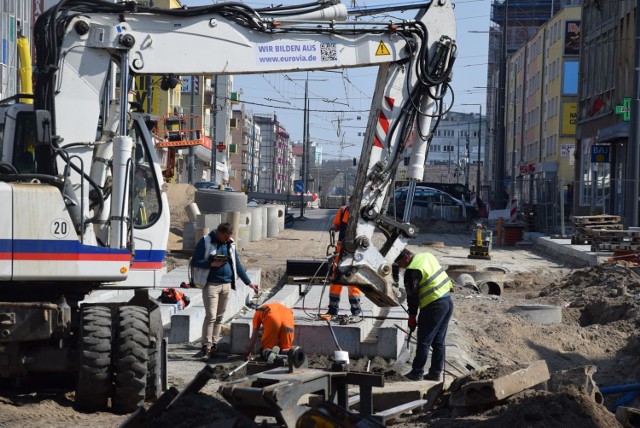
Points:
(332, 312)
(213, 350)
(204, 352)
(413, 376)
(433, 376)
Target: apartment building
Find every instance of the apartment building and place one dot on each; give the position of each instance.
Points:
(540, 119)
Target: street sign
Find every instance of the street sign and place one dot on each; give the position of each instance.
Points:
(298, 186)
(600, 153)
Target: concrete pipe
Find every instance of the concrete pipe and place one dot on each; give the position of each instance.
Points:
(242, 237)
(272, 221)
(256, 223)
(220, 201)
(490, 281)
(244, 229)
(192, 211)
(538, 314)
(466, 280)
(233, 218)
(265, 222)
(281, 213)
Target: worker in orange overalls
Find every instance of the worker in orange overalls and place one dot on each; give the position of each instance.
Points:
(277, 333)
(340, 222)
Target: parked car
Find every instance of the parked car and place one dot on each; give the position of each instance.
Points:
(457, 190)
(209, 185)
(439, 204)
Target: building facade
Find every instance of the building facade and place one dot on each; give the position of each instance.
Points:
(244, 152)
(542, 80)
(276, 164)
(606, 80)
(16, 20)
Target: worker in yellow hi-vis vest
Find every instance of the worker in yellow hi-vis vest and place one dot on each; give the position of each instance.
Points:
(428, 287)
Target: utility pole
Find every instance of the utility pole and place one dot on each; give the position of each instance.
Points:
(305, 141)
(214, 117)
(192, 150)
(479, 146)
(466, 173)
(479, 150)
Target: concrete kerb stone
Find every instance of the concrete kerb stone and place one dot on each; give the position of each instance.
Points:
(396, 393)
(369, 337)
(493, 390)
(564, 250)
(186, 325)
(240, 331)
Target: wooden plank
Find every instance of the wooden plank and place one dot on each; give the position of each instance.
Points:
(596, 219)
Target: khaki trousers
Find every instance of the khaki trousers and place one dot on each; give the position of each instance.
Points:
(215, 298)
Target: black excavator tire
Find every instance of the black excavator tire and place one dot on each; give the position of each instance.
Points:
(95, 375)
(131, 358)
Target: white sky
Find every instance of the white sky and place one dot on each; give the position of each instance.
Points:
(335, 126)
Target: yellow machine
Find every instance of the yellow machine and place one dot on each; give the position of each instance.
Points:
(481, 243)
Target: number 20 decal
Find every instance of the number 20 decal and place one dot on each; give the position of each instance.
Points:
(59, 228)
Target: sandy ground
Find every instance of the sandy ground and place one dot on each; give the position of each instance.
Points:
(600, 319)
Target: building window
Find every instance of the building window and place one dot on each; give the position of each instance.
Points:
(570, 78)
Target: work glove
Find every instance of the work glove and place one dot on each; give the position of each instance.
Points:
(412, 322)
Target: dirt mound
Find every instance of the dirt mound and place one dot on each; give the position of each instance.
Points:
(567, 406)
(604, 294)
(200, 410)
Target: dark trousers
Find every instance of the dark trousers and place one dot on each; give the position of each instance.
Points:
(433, 321)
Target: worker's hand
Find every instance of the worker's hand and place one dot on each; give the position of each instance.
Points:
(218, 263)
(412, 322)
(255, 288)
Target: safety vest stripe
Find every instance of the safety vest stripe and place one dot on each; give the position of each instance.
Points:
(434, 289)
(434, 276)
(289, 330)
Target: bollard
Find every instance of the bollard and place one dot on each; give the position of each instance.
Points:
(499, 234)
(514, 208)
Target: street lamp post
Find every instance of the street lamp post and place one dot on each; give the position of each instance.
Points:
(479, 146)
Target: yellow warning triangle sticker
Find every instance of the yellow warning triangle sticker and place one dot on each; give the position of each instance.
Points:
(382, 49)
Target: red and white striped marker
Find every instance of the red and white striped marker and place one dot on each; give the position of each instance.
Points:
(514, 207)
(383, 122)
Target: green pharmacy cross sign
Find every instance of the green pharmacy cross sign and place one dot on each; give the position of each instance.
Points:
(625, 109)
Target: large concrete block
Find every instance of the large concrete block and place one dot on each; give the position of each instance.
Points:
(493, 390)
(210, 221)
(186, 325)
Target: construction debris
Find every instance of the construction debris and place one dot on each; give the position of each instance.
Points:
(584, 227)
(492, 387)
